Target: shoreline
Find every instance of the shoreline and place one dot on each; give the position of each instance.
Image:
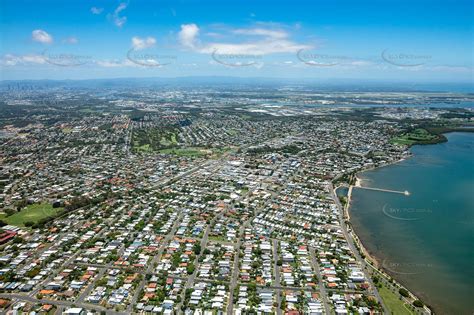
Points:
(358, 183)
(370, 258)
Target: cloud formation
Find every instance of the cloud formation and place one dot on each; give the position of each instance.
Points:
(13, 60)
(96, 10)
(260, 41)
(118, 20)
(116, 63)
(41, 36)
(142, 43)
(188, 35)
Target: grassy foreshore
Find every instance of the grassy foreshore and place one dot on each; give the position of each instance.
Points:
(428, 135)
(418, 136)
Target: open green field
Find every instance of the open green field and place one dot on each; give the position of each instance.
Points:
(196, 151)
(143, 148)
(32, 213)
(154, 139)
(220, 151)
(393, 303)
(418, 136)
(171, 141)
(184, 151)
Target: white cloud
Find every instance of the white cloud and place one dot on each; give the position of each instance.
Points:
(117, 19)
(34, 59)
(41, 37)
(9, 60)
(188, 35)
(115, 63)
(13, 60)
(268, 42)
(142, 43)
(96, 10)
(263, 47)
(261, 32)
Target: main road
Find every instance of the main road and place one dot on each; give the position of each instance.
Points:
(322, 288)
(276, 270)
(351, 243)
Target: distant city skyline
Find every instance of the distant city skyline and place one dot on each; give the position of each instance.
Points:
(395, 40)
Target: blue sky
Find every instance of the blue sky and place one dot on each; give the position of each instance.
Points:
(390, 40)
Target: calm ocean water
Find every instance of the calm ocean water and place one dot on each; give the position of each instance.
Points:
(425, 240)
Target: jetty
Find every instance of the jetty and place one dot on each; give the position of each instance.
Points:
(405, 192)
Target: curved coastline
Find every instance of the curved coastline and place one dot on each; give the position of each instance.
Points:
(371, 259)
(375, 258)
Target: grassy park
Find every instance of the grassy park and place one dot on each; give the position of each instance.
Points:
(417, 136)
(154, 139)
(393, 302)
(184, 151)
(31, 213)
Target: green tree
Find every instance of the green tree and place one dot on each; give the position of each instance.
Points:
(418, 303)
(403, 292)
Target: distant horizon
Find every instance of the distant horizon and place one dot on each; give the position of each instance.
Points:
(358, 84)
(245, 77)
